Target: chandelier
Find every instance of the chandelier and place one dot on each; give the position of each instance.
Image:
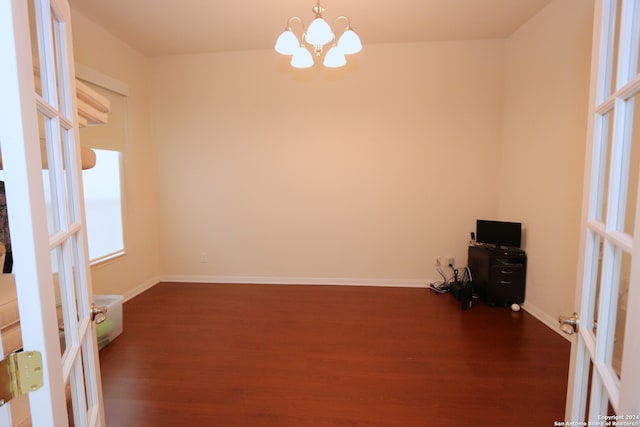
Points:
(317, 36)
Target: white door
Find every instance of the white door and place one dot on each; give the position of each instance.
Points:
(46, 211)
(605, 370)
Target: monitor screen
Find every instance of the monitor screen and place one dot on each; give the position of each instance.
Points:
(499, 233)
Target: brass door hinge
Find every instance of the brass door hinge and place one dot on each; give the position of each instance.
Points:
(20, 373)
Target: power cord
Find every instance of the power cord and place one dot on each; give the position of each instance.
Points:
(442, 286)
(459, 275)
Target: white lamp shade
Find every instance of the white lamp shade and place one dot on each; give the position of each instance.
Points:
(287, 43)
(302, 58)
(319, 33)
(349, 42)
(334, 58)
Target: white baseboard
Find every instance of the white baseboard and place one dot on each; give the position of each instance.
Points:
(545, 318)
(141, 288)
(267, 280)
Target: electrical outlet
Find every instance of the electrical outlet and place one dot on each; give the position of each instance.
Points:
(444, 261)
(204, 258)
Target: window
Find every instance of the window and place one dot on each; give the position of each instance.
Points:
(102, 183)
(103, 205)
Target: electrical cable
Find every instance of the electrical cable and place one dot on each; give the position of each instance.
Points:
(444, 285)
(441, 287)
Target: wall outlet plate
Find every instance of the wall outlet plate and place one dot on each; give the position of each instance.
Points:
(444, 261)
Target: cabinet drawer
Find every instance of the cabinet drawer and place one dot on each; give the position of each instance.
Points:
(507, 275)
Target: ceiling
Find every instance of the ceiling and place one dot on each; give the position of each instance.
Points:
(161, 27)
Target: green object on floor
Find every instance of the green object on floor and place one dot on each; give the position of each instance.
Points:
(104, 328)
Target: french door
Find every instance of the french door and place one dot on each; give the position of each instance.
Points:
(604, 383)
(38, 129)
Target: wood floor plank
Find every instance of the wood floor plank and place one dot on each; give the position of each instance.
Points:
(263, 355)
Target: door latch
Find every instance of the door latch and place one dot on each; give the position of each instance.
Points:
(569, 324)
(20, 373)
(98, 313)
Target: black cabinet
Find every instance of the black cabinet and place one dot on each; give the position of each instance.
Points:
(498, 274)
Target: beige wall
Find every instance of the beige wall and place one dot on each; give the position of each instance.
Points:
(99, 50)
(357, 175)
(364, 174)
(546, 92)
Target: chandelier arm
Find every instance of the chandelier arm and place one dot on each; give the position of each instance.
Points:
(297, 18)
(292, 18)
(343, 17)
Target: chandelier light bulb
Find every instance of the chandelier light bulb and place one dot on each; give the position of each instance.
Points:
(349, 42)
(319, 33)
(334, 58)
(302, 58)
(287, 43)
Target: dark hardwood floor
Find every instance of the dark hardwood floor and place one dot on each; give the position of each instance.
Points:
(260, 355)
